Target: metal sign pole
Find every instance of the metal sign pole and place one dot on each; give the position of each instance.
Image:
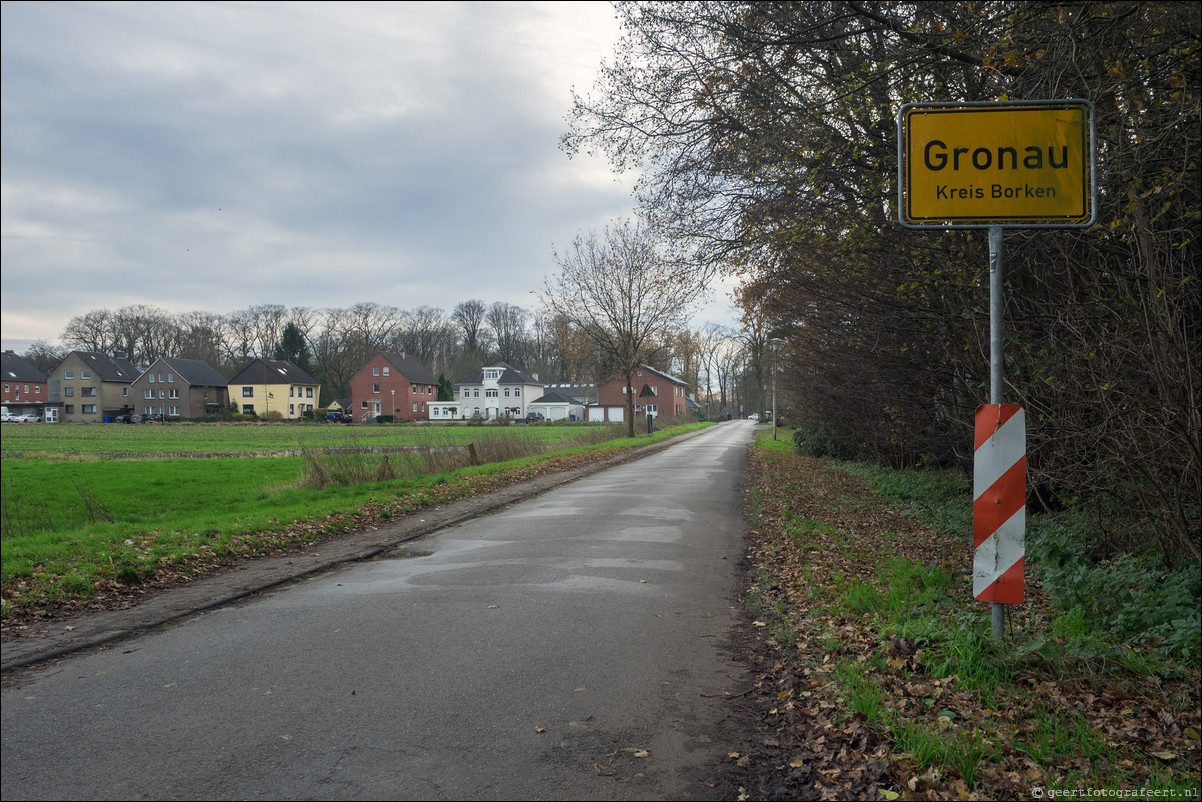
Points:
(997, 610)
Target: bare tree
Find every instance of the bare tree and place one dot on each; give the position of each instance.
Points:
(44, 356)
(469, 315)
(144, 332)
(203, 336)
(91, 331)
(623, 293)
(507, 323)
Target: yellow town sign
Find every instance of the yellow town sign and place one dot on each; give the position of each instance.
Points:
(1011, 164)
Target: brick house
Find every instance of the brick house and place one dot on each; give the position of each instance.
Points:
(265, 386)
(179, 388)
(25, 387)
(393, 384)
(91, 386)
(655, 392)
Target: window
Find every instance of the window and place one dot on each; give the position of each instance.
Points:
(37, 389)
(291, 409)
(507, 392)
(173, 392)
(308, 392)
(162, 393)
(125, 392)
(88, 409)
(170, 378)
(160, 378)
(70, 374)
(88, 392)
(70, 409)
(151, 375)
(375, 371)
(248, 409)
(292, 392)
(173, 411)
(149, 393)
(69, 392)
(248, 392)
(363, 404)
(517, 391)
(375, 388)
(27, 388)
(491, 394)
(7, 388)
(415, 406)
(385, 370)
(85, 374)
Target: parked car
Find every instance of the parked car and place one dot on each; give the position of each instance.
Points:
(28, 417)
(8, 417)
(534, 417)
(333, 416)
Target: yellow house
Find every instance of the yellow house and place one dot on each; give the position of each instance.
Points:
(272, 385)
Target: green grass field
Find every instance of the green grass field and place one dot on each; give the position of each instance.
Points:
(83, 507)
(65, 441)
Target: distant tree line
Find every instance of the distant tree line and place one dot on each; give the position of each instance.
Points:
(765, 133)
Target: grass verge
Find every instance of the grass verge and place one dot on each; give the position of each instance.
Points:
(888, 683)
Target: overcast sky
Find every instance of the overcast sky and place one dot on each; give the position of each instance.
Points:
(213, 156)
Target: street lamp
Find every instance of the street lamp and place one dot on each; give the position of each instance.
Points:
(773, 399)
(393, 391)
(773, 343)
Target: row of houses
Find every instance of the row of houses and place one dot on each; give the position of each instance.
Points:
(89, 387)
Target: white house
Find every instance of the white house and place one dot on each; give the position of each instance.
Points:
(564, 401)
(496, 390)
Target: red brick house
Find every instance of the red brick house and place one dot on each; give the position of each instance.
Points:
(654, 391)
(25, 387)
(393, 384)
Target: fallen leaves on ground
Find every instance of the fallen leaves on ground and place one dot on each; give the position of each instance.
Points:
(805, 742)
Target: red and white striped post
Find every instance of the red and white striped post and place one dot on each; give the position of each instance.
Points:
(999, 507)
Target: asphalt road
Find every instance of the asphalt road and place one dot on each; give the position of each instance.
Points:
(572, 646)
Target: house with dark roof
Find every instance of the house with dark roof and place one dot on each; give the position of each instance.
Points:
(25, 387)
(267, 386)
(393, 384)
(564, 401)
(179, 388)
(495, 390)
(89, 386)
(655, 393)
